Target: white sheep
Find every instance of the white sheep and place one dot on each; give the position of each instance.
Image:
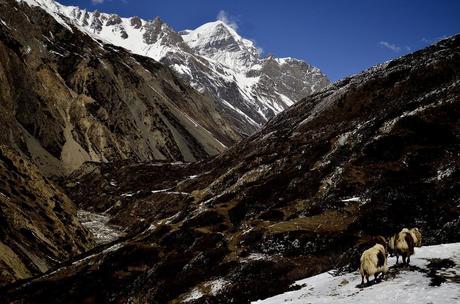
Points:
(402, 244)
(373, 263)
(417, 236)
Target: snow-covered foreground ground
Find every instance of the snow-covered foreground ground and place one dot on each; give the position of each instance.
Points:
(408, 286)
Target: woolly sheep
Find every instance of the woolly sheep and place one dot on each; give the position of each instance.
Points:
(417, 236)
(402, 244)
(373, 262)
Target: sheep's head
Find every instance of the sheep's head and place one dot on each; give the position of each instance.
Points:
(382, 241)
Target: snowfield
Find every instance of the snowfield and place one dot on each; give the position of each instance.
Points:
(409, 285)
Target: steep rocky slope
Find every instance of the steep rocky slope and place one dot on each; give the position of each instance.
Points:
(67, 98)
(369, 155)
(39, 228)
(213, 58)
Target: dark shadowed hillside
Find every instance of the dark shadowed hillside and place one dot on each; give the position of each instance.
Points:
(39, 228)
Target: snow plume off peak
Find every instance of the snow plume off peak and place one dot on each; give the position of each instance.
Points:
(222, 16)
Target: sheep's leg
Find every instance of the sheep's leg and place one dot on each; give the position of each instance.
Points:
(362, 280)
(408, 259)
(376, 275)
(367, 279)
(404, 259)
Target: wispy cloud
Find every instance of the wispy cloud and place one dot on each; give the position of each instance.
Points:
(225, 18)
(97, 1)
(232, 22)
(390, 46)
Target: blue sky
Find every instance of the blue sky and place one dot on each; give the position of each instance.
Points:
(339, 37)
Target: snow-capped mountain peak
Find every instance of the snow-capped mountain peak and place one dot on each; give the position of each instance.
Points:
(212, 58)
(219, 41)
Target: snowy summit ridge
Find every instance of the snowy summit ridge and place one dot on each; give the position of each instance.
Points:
(221, 43)
(213, 58)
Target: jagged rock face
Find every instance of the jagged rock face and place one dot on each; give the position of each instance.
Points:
(213, 58)
(371, 154)
(39, 224)
(136, 22)
(157, 30)
(67, 99)
(288, 77)
(152, 31)
(113, 20)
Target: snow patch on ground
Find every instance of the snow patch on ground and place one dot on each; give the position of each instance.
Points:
(129, 194)
(441, 174)
(257, 257)
(211, 288)
(217, 285)
(195, 294)
(352, 199)
(4, 23)
(409, 286)
(167, 191)
(98, 225)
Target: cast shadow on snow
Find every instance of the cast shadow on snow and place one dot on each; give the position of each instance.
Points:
(431, 271)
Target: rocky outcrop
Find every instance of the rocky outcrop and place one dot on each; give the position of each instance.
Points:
(66, 99)
(369, 155)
